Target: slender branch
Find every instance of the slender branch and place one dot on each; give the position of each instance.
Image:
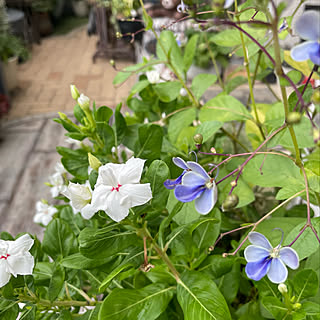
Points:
(234, 138)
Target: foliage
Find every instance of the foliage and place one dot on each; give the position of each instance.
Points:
(165, 260)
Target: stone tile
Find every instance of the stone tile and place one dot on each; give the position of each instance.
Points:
(55, 76)
(24, 125)
(50, 137)
(14, 152)
(19, 215)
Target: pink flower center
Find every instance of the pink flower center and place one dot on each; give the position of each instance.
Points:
(116, 188)
(5, 257)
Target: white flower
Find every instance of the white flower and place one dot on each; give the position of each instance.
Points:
(80, 198)
(15, 258)
(58, 186)
(44, 213)
(73, 141)
(59, 168)
(118, 189)
(83, 101)
(153, 76)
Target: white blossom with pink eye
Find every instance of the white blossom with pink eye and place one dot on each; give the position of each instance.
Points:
(15, 258)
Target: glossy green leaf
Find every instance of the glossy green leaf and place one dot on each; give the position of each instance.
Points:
(275, 307)
(56, 282)
(306, 284)
(120, 125)
(146, 303)
(200, 298)
(167, 91)
(208, 129)
(190, 51)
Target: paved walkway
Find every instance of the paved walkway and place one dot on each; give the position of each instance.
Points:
(28, 136)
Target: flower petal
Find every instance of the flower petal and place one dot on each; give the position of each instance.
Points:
(206, 201)
(22, 264)
(4, 275)
(132, 195)
(46, 218)
(259, 240)
(99, 197)
(107, 176)
(193, 179)
(228, 3)
(131, 171)
(278, 272)
(180, 163)
(38, 217)
(114, 210)
(254, 253)
(289, 257)
(187, 193)
(171, 183)
(303, 51)
(22, 244)
(258, 269)
(198, 169)
(315, 57)
(308, 25)
(88, 211)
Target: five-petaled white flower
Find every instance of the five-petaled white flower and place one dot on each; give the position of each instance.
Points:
(57, 183)
(118, 189)
(15, 258)
(44, 213)
(153, 76)
(80, 198)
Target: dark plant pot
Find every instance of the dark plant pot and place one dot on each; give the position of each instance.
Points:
(131, 27)
(44, 23)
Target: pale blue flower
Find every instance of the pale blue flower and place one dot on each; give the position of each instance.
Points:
(172, 183)
(263, 259)
(308, 28)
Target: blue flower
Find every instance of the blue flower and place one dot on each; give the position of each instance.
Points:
(172, 183)
(199, 186)
(264, 260)
(308, 28)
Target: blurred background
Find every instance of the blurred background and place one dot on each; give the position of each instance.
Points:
(46, 45)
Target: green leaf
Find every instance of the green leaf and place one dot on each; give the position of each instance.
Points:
(157, 173)
(167, 91)
(9, 310)
(105, 242)
(138, 87)
(216, 266)
(92, 314)
(56, 282)
(190, 51)
(75, 162)
(120, 124)
(150, 138)
(179, 121)
(307, 244)
(171, 51)
(208, 129)
(293, 98)
(28, 313)
(224, 108)
(294, 75)
(201, 83)
(121, 77)
(275, 307)
(80, 262)
(42, 272)
(133, 259)
(107, 135)
(200, 298)
(146, 303)
(103, 114)
(312, 310)
(227, 38)
(235, 82)
(306, 284)
(58, 239)
(147, 20)
(79, 114)
(76, 135)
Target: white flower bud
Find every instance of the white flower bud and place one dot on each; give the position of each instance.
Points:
(74, 92)
(153, 76)
(282, 288)
(79, 195)
(183, 92)
(84, 102)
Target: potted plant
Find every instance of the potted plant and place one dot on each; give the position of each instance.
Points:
(11, 49)
(40, 10)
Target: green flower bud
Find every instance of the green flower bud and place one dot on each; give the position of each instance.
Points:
(74, 92)
(230, 202)
(198, 138)
(282, 288)
(296, 306)
(112, 62)
(293, 118)
(316, 97)
(63, 116)
(202, 47)
(94, 162)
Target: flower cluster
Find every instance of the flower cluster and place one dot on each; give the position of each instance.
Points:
(194, 184)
